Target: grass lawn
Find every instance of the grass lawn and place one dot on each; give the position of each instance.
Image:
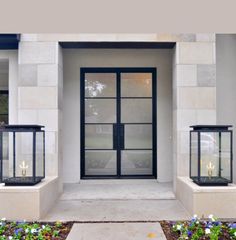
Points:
(34, 230)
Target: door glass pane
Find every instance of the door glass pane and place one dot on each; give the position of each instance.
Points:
(100, 110)
(138, 162)
(100, 85)
(99, 136)
(136, 110)
(138, 136)
(136, 85)
(100, 162)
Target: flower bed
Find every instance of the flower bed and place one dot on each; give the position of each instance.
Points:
(33, 230)
(199, 229)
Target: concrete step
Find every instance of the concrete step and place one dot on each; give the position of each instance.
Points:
(118, 190)
(117, 210)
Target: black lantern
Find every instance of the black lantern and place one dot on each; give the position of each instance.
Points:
(211, 155)
(22, 154)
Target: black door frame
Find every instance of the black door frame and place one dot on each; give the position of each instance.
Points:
(118, 71)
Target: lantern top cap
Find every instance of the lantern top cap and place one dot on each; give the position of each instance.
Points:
(211, 127)
(22, 127)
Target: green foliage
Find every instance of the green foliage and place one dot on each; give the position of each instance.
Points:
(28, 231)
(211, 229)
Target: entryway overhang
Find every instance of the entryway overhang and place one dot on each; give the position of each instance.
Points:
(9, 41)
(119, 45)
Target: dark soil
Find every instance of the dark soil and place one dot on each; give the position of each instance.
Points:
(171, 235)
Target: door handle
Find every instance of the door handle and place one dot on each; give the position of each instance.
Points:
(118, 136)
(114, 136)
(122, 136)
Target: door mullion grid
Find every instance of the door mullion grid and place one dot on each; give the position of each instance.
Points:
(118, 120)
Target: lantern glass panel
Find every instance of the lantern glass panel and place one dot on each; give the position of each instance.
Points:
(7, 158)
(40, 154)
(194, 154)
(226, 155)
(209, 158)
(24, 154)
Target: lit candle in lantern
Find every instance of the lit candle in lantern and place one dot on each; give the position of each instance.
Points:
(23, 168)
(210, 168)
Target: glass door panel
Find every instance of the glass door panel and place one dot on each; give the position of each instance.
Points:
(137, 118)
(100, 85)
(136, 110)
(100, 113)
(138, 162)
(100, 110)
(98, 136)
(136, 85)
(102, 162)
(138, 136)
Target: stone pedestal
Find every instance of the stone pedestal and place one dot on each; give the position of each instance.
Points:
(29, 203)
(203, 201)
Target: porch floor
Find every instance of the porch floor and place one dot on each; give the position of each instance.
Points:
(117, 190)
(117, 200)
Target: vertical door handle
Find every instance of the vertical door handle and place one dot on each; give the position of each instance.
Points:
(122, 136)
(114, 136)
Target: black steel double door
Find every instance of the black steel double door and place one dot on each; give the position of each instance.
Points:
(118, 122)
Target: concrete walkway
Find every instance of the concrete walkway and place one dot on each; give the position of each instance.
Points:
(116, 231)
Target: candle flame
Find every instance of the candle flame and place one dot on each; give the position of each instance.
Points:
(210, 166)
(23, 165)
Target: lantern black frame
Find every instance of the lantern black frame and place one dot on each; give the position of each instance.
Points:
(200, 180)
(22, 181)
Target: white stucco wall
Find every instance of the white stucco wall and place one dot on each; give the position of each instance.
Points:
(226, 82)
(74, 59)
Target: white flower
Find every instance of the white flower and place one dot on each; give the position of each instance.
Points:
(43, 226)
(26, 230)
(178, 227)
(197, 222)
(207, 230)
(3, 219)
(211, 217)
(33, 230)
(10, 237)
(195, 216)
(235, 234)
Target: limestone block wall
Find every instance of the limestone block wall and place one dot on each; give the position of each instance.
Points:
(194, 94)
(194, 87)
(40, 86)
